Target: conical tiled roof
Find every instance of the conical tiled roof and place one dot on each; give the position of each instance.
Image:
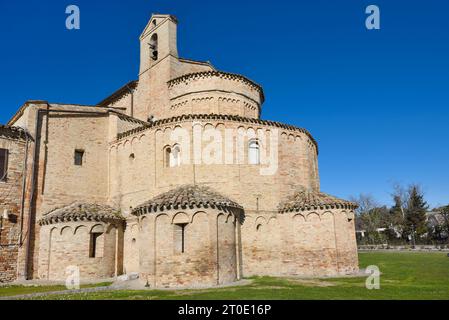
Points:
(186, 196)
(309, 200)
(79, 211)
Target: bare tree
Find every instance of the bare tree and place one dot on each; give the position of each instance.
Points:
(365, 202)
(401, 196)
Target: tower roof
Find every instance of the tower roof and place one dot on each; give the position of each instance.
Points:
(156, 16)
(186, 196)
(310, 200)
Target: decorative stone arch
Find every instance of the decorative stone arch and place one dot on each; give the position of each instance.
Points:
(220, 126)
(209, 126)
(167, 130)
(141, 137)
(261, 131)
(98, 228)
(160, 215)
(110, 228)
(230, 218)
(196, 214)
(299, 218)
(181, 218)
(221, 214)
(79, 228)
(339, 214)
(196, 125)
(251, 133)
(259, 223)
(53, 230)
(241, 130)
(327, 215)
(134, 140)
(313, 215)
(66, 230)
(143, 221)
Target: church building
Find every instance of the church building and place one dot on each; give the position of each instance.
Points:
(174, 177)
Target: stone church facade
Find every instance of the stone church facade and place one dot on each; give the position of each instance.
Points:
(107, 188)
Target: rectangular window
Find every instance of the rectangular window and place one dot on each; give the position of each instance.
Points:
(3, 164)
(79, 155)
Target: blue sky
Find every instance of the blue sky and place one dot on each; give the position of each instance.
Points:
(376, 101)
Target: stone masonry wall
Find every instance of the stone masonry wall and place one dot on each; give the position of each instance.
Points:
(11, 200)
(315, 243)
(68, 244)
(214, 93)
(135, 179)
(210, 255)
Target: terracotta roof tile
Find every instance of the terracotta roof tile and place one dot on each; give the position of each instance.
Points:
(307, 200)
(220, 117)
(79, 211)
(186, 196)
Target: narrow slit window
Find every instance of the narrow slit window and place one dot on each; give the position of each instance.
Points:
(180, 238)
(154, 47)
(79, 157)
(168, 156)
(3, 165)
(96, 245)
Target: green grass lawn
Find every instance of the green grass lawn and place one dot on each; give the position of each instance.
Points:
(8, 291)
(404, 276)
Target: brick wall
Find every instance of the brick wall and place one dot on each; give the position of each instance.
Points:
(210, 255)
(69, 244)
(11, 200)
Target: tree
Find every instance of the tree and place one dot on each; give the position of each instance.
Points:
(371, 217)
(397, 216)
(415, 217)
(445, 215)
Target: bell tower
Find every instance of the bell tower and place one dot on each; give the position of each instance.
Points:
(158, 41)
(158, 61)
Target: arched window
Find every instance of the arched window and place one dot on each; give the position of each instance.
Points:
(167, 157)
(176, 157)
(172, 157)
(154, 47)
(254, 152)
